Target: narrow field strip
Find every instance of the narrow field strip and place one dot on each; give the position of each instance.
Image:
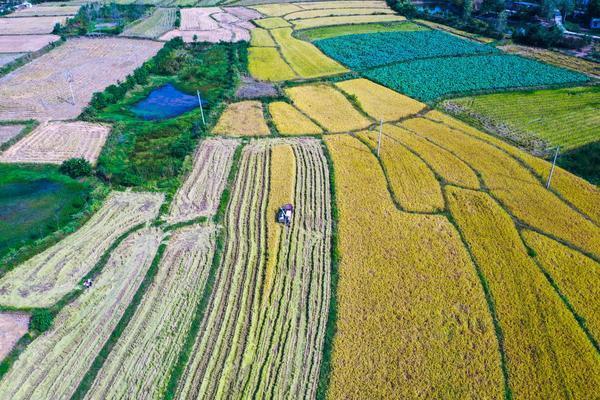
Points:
(576, 276)
(336, 12)
(244, 118)
(449, 167)
(261, 38)
(266, 63)
(577, 191)
(380, 102)
(289, 121)
(317, 5)
(515, 187)
(54, 363)
(139, 364)
(412, 317)
(304, 58)
(548, 354)
(345, 20)
(201, 191)
(413, 184)
(43, 279)
(272, 23)
(328, 107)
(254, 343)
(277, 9)
(55, 142)
(161, 21)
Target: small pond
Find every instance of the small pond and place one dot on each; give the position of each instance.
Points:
(165, 102)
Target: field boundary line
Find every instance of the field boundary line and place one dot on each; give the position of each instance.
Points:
(331, 324)
(580, 320)
(489, 300)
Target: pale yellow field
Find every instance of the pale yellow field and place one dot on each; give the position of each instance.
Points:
(514, 186)
(265, 63)
(577, 276)
(449, 167)
(380, 102)
(244, 118)
(412, 183)
(289, 121)
(547, 353)
(272, 23)
(328, 107)
(341, 4)
(261, 38)
(345, 20)
(29, 25)
(412, 318)
(303, 57)
(579, 192)
(276, 10)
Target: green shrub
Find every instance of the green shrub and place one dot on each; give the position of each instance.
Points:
(76, 167)
(41, 320)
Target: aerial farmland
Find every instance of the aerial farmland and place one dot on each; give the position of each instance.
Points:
(235, 199)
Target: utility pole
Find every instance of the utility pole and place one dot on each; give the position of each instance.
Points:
(69, 79)
(379, 137)
(201, 109)
(552, 169)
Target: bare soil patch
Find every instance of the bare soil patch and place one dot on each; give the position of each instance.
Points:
(25, 43)
(250, 88)
(55, 142)
(12, 327)
(29, 25)
(40, 89)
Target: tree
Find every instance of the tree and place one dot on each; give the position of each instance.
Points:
(501, 22)
(593, 10)
(41, 320)
(493, 6)
(467, 9)
(76, 167)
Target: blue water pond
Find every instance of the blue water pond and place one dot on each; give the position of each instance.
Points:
(165, 102)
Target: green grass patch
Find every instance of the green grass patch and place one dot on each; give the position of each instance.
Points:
(36, 201)
(566, 117)
(326, 32)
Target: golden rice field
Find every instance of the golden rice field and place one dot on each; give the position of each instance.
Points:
(329, 107)
(265, 63)
(45, 278)
(53, 365)
(261, 38)
(244, 118)
(547, 352)
(290, 121)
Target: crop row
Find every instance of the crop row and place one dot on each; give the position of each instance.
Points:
(139, 364)
(46, 277)
(375, 49)
(52, 366)
(413, 321)
(161, 21)
(263, 333)
(200, 193)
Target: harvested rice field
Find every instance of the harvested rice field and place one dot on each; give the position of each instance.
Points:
(84, 62)
(29, 25)
(214, 24)
(263, 332)
(8, 132)
(13, 325)
(54, 364)
(244, 118)
(201, 191)
(44, 279)
(46, 10)
(25, 43)
(55, 142)
(157, 24)
(290, 121)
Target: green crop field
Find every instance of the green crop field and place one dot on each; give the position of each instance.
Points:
(326, 32)
(568, 117)
(433, 78)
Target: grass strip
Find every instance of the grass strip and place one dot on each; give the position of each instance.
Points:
(330, 328)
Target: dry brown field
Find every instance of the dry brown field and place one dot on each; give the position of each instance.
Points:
(40, 89)
(29, 25)
(25, 43)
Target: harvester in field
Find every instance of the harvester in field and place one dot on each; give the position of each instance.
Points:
(285, 214)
